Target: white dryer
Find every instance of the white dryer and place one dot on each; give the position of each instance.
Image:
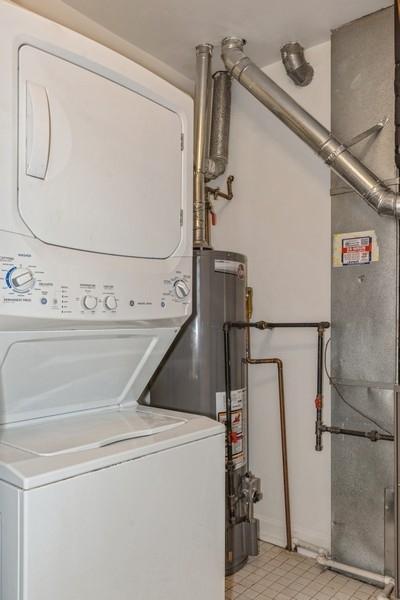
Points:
(100, 497)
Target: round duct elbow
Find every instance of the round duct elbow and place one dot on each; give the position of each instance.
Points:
(294, 61)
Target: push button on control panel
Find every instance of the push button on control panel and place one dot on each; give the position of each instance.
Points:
(89, 302)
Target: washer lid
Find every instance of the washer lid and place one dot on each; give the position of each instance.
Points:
(31, 455)
(87, 431)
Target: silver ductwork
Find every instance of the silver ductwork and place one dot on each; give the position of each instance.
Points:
(334, 153)
(298, 69)
(201, 142)
(220, 124)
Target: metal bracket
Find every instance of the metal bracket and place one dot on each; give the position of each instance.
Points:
(374, 130)
(367, 133)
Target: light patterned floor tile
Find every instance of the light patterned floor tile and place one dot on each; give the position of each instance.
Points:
(280, 575)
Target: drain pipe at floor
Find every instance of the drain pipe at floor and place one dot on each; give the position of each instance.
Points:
(374, 578)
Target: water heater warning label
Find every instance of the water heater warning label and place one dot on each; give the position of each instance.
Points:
(357, 248)
(238, 424)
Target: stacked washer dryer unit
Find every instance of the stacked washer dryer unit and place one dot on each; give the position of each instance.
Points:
(192, 377)
(96, 268)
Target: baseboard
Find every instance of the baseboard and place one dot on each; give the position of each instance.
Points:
(274, 532)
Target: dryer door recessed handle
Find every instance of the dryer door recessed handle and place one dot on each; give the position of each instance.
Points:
(37, 130)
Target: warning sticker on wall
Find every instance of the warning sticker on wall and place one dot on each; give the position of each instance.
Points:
(356, 248)
(238, 422)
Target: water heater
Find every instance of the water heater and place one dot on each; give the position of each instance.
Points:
(192, 377)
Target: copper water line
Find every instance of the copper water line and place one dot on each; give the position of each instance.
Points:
(282, 412)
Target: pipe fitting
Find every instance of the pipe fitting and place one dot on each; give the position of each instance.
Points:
(298, 69)
(349, 168)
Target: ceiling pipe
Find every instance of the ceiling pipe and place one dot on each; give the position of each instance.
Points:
(334, 153)
(220, 124)
(298, 69)
(202, 112)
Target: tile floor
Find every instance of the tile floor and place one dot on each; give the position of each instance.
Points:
(281, 575)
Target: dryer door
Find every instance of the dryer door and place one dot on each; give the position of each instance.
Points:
(100, 166)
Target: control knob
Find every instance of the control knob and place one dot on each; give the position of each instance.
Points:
(110, 302)
(181, 289)
(21, 280)
(89, 302)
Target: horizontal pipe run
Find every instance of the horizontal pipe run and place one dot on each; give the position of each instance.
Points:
(372, 436)
(267, 325)
(355, 571)
(321, 325)
(333, 152)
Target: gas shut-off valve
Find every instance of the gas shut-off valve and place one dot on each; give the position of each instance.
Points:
(251, 493)
(251, 490)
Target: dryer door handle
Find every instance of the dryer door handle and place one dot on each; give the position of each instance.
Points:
(37, 130)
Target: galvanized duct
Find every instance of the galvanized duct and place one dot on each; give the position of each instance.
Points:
(298, 69)
(335, 154)
(201, 141)
(220, 124)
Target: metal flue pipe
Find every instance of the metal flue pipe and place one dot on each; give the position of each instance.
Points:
(220, 124)
(202, 106)
(298, 69)
(335, 154)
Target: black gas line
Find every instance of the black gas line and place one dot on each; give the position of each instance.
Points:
(320, 427)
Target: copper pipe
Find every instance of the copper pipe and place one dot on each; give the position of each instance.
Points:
(282, 412)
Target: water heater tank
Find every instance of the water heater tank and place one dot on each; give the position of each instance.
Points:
(192, 379)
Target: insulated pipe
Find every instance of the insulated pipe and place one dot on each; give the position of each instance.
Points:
(202, 105)
(334, 153)
(220, 123)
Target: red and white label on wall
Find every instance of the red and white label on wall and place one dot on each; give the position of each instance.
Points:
(238, 422)
(356, 248)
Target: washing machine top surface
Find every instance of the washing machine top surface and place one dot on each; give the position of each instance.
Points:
(79, 432)
(44, 451)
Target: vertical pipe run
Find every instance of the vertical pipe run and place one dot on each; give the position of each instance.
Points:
(319, 396)
(397, 493)
(282, 415)
(229, 463)
(220, 124)
(397, 80)
(201, 143)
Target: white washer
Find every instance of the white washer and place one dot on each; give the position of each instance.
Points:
(100, 498)
(139, 518)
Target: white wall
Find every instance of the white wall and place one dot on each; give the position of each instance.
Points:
(58, 11)
(280, 218)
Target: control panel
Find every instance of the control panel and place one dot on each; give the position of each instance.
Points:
(69, 284)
